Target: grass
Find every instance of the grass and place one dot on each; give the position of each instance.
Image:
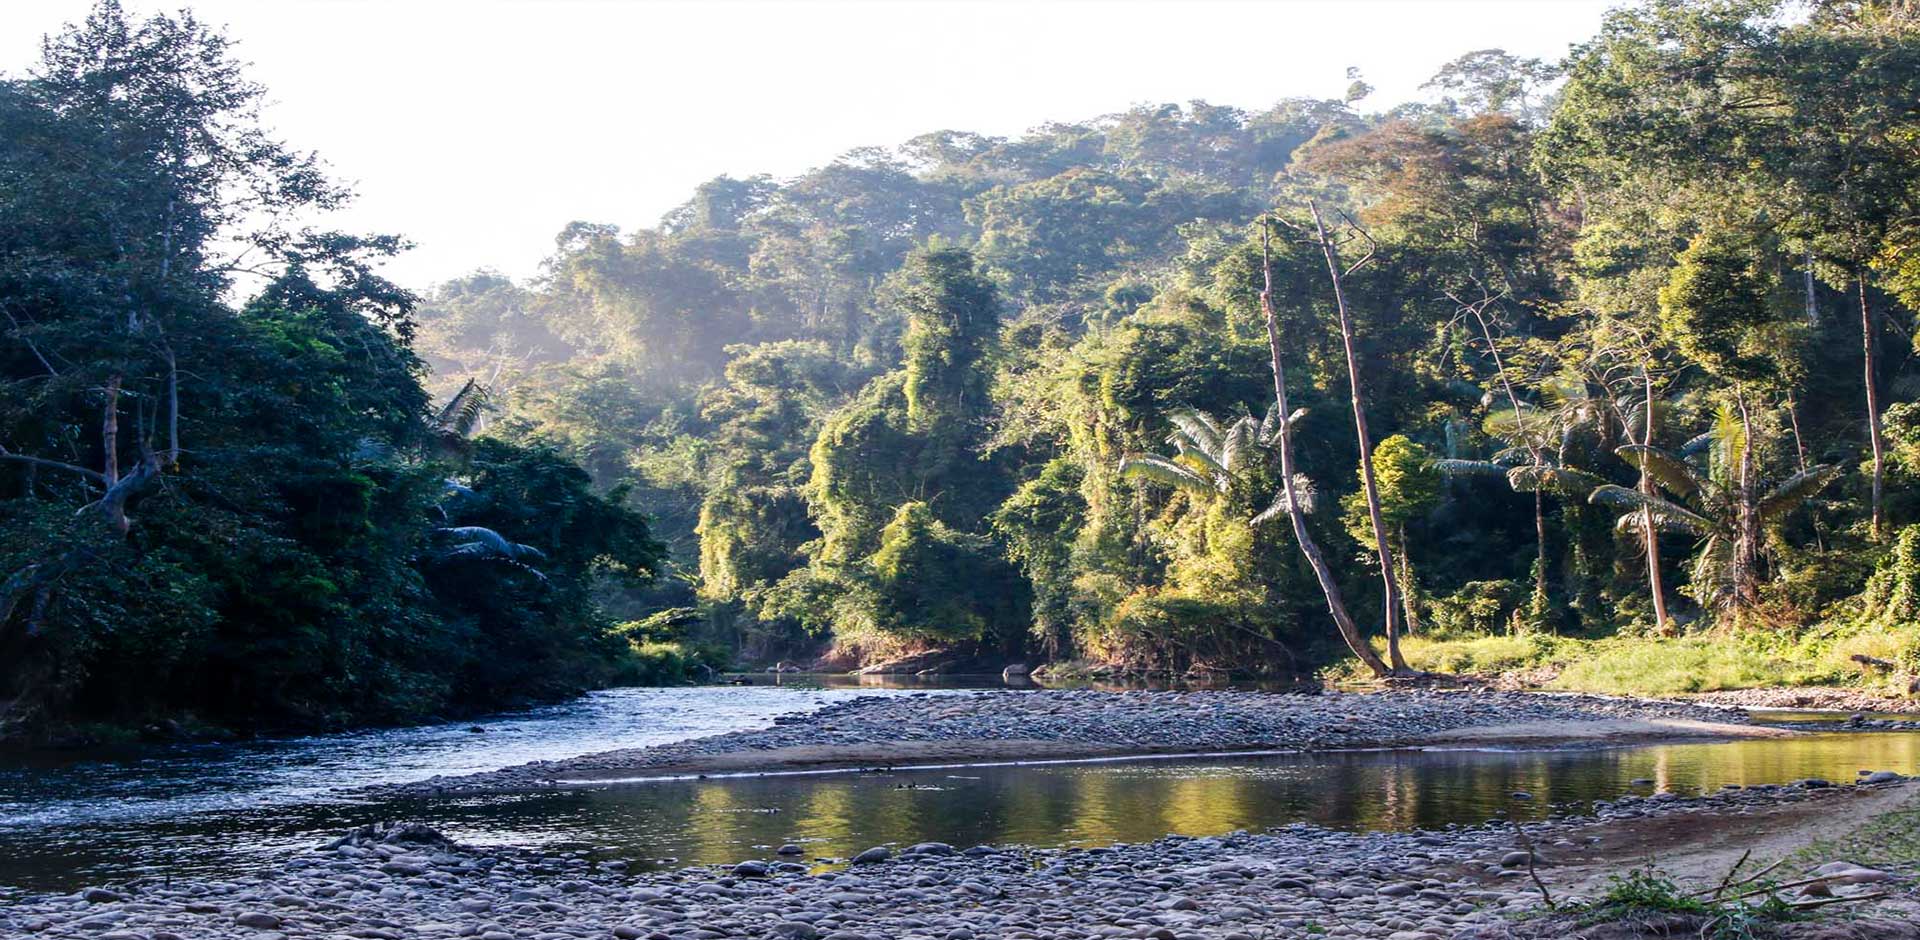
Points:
(1645, 896)
(1657, 666)
(1889, 842)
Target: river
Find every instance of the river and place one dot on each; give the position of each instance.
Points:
(225, 809)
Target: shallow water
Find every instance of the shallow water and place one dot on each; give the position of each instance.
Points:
(227, 809)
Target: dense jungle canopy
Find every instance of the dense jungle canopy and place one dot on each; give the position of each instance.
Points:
(1630, 337)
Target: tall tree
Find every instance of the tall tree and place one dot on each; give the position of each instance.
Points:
(1290, 493)
(1337, 272)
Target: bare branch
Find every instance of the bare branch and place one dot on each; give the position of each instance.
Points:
(93, 475)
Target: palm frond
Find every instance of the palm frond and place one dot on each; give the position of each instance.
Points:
(1208, 461)
(1630, 523)
(1671, 472)
(1200, 428)
(1712, 579)
(1457, 468)
(1161, 470)
(1303, 490)
(1564, 481)
(463, 410)
(1667, 515)
(1242, 439)
(480, 542)
(1796, 490)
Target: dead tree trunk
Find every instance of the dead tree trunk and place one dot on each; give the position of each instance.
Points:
(1388, 577)
(1336, 603)
(1649, 530)
(1867, 344)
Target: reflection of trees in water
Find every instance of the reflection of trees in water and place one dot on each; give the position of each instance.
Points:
(1094, 804)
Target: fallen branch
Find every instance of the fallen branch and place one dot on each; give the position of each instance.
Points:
(1526, 845)
(1731, 871)
(1836, 899)
(1750, 879)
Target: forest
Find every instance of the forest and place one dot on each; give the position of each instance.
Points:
(1603, 365)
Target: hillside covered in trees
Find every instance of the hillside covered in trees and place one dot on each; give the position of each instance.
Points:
(1014, 395)
(1615, 347)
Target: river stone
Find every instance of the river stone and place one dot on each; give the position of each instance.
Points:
(258, 920)
(750, 869)
(878, 853)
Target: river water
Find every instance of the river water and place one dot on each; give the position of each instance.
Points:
(225, 809)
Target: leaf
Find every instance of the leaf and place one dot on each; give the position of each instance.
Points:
(1565, 481)
(481, 535)
(1303, 489)
(1796, 490)
(1712, 578)
(1452, 467)
(1669, 471)
(1204, 458)
(1199, 428)
(1666, 514)
(463, 410)
(1629, 524)
(1161, 470)
(1242, 438)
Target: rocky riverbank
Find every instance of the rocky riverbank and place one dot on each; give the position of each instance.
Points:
(381, 883)
(1005, 726)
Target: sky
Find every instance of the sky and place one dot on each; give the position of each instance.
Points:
(478, 128)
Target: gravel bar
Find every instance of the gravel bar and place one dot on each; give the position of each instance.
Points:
(898, 731)
(397, 881)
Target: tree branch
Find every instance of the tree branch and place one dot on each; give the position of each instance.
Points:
(94, 475)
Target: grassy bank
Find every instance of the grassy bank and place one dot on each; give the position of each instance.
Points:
(1677, 665)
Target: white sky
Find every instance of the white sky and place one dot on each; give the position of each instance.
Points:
(478, 128)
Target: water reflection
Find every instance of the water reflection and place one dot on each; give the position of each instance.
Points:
(720, 821)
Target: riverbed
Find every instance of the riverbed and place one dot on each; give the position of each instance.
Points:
(198, 810)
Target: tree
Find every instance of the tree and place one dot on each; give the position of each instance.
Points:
(1715, 509)
(1290, 492)
(1369, 486)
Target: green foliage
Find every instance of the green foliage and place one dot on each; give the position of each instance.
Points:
(249, 514)
(1716, 309)
(848, 431)
(1408, 484)
(952, 316)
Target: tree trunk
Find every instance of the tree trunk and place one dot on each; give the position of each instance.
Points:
(1540, 556)
(1368, 486)
(110, 434)
(1873, 400)
(1652, 534)
(1336, 604)
(1533, 450)
(1746, 544)
(1410, 604)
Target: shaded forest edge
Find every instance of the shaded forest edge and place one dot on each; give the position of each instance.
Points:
(1589, 360)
